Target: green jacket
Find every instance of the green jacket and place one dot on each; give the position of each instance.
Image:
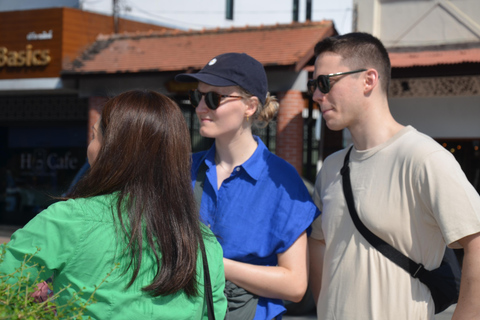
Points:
(78, 242)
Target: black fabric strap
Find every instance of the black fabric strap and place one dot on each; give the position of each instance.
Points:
(199, 181)
(413, 268)
(198, 191)
(207, 284)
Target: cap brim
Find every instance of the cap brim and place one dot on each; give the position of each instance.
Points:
(207, 78)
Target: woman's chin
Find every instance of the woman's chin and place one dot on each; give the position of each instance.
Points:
(205, 133)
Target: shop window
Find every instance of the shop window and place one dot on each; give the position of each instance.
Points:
(467, 153)
(229, 10)
(43, 141)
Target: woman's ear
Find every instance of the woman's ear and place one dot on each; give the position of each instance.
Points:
(252, 105)
(371, 80)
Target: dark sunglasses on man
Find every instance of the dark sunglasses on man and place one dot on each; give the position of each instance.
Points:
(212, 99)
(323, 81)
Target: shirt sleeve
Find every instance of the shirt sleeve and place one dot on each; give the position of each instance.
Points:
(217, 277)
(451, 198)
(218, 283)
(299, 212)
(56, 232)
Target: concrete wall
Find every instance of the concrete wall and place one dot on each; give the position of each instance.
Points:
(400, 23)
(440, 117)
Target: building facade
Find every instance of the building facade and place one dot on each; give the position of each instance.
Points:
(434, 47)
(151, 60)
(43, 121)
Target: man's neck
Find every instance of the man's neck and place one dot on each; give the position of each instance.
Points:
(374, 129)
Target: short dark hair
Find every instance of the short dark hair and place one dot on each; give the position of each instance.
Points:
(359, 50)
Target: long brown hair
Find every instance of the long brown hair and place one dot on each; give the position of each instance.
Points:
(145, 157)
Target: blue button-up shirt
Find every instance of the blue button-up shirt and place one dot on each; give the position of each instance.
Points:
(258, 212)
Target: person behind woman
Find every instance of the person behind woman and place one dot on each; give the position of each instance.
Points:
(254, 202)
(135, 207)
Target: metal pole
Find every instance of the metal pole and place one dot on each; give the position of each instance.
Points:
(115, 16)
(308, 15)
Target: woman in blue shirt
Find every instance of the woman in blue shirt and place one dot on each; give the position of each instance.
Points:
(253, 201)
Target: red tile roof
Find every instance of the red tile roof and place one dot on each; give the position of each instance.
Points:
(429, 58)
(284, 45)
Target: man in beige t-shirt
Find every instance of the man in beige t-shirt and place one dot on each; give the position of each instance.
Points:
(408, 190)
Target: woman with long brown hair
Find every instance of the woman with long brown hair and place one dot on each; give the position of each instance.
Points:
(135, 208)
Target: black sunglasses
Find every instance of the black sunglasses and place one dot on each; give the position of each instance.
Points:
(323, 81)
(212, 99)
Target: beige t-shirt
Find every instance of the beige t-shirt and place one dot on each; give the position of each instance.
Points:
(410, 192)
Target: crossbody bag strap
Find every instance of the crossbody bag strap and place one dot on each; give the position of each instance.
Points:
(199, 182)
(407, 264)
(198, 191)
(207, 284)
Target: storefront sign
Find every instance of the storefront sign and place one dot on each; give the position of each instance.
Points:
(24, 58)
(40, 36)
(52, 161)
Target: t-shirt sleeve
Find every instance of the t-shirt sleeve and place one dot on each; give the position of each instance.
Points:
(453, 201)
(56, 232)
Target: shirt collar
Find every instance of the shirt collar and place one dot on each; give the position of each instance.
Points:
(210, 156)
(257, 163)
(254, 166)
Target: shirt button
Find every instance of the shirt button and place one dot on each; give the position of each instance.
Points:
(238, 169)
(209, 226)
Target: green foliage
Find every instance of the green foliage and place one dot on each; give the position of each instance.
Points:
(17, 302)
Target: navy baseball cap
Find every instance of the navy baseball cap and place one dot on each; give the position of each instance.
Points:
(232, 69)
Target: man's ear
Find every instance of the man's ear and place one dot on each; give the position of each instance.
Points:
(371, 80)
